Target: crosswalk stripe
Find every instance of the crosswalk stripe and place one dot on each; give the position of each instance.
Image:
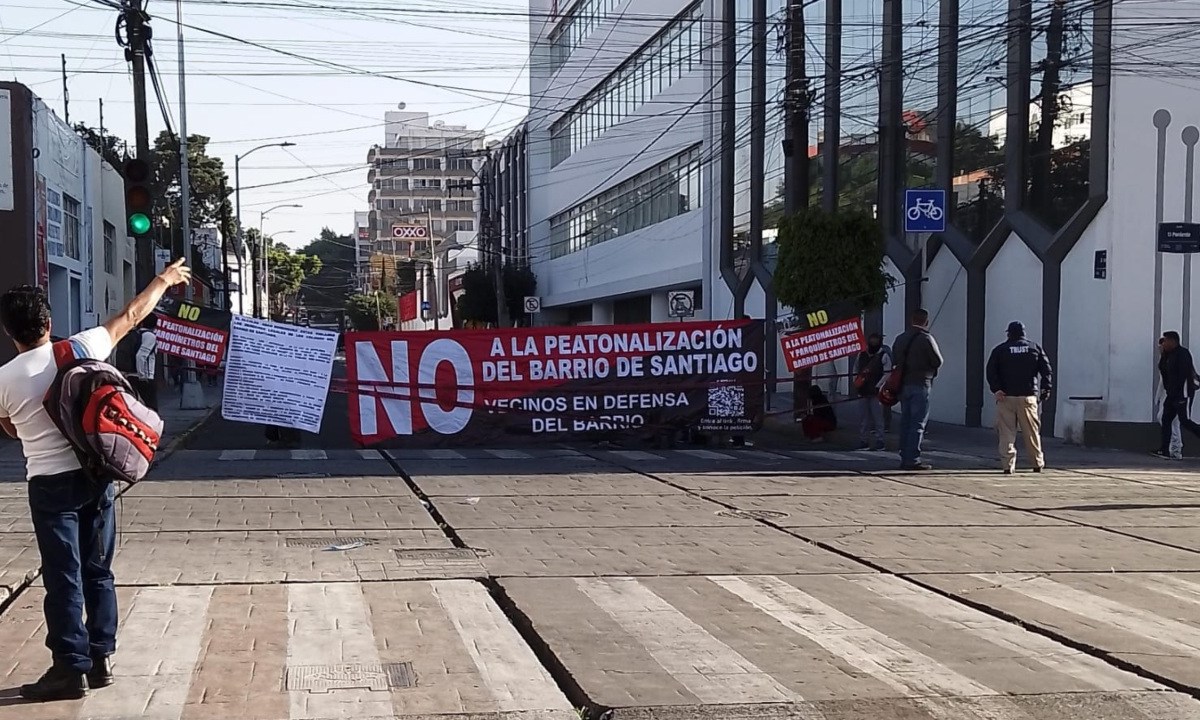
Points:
(309, 455)
(160, 646)
(445, 455)
(509, 454)
(709, 669)
(1002, 634)
(1143, 623)
(511, 671)
(890, 661)
(829, 455)
(1173, 587)
(238, 454)
(707, 455)
(329, 623)
(369, 454)
(636, 455)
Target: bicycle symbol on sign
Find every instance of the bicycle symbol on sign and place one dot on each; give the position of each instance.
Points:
(925, 208)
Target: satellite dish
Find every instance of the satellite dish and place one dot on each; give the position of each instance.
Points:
(401, 106)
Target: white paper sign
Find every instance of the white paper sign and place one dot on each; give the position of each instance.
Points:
(6, 154)
(277, 374)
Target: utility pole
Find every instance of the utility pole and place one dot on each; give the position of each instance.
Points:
(137, 40)
(66, 93)
(797, 99)
(192, 395)
(225, 223)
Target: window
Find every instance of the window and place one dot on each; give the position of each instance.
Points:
(427, 164)
(71, 230)
(648, 73)
(460, 225)
(427, 183)
(666, 190)
(576, 27)
(110, 248)
(459, 163)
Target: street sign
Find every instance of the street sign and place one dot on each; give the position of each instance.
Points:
(1177, 237)
(410, 232)
(924, 211)
(425, 306)
(681, 303)
(533, 304)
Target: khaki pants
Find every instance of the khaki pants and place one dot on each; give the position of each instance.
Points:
(1014, 412)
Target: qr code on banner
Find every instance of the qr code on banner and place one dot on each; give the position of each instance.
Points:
(727, 401)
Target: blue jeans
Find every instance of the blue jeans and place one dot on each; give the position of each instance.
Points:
(914, 414)
(75, 526)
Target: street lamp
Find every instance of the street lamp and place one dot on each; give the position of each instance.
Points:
(237, 195)
(262, 241)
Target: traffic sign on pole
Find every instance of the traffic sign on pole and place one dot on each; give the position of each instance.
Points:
(924, 211)
(533, 304)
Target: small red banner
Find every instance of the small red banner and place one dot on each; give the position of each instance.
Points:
(408, 306)
(823, 344)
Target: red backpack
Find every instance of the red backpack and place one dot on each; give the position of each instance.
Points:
(114, 435)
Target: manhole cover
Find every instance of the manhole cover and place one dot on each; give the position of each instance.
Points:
(753, 514)
(324, 678)
(431, 563)
(324, 542)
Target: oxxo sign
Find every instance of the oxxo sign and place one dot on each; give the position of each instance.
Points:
(400, 410)
(410, 232)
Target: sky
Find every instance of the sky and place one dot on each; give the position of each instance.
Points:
(319, 73)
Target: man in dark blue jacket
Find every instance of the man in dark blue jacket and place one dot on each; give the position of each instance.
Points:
(1179, 379)
(1019, 375)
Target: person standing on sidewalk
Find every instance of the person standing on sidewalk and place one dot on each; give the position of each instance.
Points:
(73, 519)
(918, 359)
(1019, 375)
(1179, 379)
(872, 366)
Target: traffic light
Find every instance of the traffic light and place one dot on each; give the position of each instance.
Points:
(139, 199)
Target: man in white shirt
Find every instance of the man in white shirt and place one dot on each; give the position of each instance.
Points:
(73, 518)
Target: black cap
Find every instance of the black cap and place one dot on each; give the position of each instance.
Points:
(1016, 327)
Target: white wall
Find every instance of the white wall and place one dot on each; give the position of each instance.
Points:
(945, 296)
(1014, 292)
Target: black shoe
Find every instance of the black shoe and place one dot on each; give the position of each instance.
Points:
(916, 466)
(101, 674)
(1039, 468)
(1008, 471)
(1161, 454)
(59, 683)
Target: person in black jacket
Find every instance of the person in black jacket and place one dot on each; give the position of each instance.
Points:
(1019, 375)
(918, 358)
(1179, 379)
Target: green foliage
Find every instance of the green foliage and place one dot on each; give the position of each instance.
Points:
(332, 284)
(287, 271)
(113, 149)
(365, 310)
(478, 301)
(208, 205)
(826, 258)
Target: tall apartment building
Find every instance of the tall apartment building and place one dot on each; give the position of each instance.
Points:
(422, 185)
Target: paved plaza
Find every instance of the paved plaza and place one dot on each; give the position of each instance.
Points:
(555, 583)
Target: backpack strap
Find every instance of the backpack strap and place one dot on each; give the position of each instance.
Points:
(65, 352)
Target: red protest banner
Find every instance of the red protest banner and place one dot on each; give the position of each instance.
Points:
(408, 306)
(191, 332)
(823, 344)
(554, 382)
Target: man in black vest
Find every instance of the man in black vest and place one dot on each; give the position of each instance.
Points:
(1179, 379)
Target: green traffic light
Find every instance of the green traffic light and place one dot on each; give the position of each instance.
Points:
(139, 224)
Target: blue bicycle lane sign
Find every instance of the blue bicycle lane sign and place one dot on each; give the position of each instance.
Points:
(924, 211)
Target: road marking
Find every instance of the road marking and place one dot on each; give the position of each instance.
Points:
(309, 455)
(636, 455)
(328, 623)
(706, 454)
(829, 455)
(1174, 587)
(369, 454)
(510, 454)
(444, 455)
(160, 647)
(1143, 623)
(1002, 634)
(238, 454)
(509, 669)
(890, 661)
(709, 669)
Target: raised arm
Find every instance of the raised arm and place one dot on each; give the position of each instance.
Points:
(138, 309)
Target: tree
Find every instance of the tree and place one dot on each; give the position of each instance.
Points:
(113, 149)
(478, 301)
(974, 151)
(287, 271)
(331, 286)
(366, 310)
(208, 203)
(831, 257)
